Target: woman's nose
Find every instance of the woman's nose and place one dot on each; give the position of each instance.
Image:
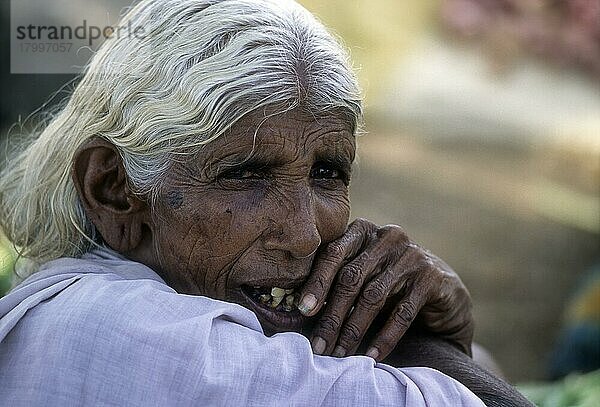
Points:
(295, 229)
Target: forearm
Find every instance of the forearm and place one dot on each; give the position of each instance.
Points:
(421, 349)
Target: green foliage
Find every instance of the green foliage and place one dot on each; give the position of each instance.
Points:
(7, 259)
(573, 391)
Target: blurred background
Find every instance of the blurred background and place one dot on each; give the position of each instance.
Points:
(482, 139)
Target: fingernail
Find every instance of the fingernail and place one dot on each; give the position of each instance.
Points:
(373, 352)
(318, 345)
(307, 303)
(339, 352)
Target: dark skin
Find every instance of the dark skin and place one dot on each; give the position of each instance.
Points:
(267, 205)
(274, 212)
(420, 348)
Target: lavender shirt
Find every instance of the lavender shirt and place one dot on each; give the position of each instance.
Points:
(105, 331)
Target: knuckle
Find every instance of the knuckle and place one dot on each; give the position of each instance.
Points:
(374, 295)
(424, 264)
(393, 233)
(404, 315)
(428, 262)
(350, 276)
(363, 225)
(328, 326)
(409, 309)
(420, 260)
(401, 321)
(334, 251)
(350, 335)
(361, 222)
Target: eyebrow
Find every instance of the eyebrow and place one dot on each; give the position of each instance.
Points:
(241, 161)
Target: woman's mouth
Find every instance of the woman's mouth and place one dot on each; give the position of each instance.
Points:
(275, 307)
(278, 299)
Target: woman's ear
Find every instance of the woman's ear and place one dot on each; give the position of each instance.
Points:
(120, 217)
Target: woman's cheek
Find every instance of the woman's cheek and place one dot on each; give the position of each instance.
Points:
(333, 215)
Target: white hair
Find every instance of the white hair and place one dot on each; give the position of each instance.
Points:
(199, 66)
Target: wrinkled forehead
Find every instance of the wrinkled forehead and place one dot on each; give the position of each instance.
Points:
(285, 137)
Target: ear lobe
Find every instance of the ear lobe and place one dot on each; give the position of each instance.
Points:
(101, 181)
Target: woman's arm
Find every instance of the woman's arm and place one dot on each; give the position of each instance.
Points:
(418, 348)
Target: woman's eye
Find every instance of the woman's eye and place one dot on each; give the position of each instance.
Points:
(242, 174)
(327, 172)
(323, 172)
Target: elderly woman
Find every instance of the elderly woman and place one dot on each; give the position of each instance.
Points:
(189, 205)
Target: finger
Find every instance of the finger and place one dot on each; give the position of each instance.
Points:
(413, 271)
(328, 262)
(395, 327)
(349, 281)
(389, 243)
(369, 305)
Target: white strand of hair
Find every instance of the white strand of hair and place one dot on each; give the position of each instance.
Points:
(199, 68)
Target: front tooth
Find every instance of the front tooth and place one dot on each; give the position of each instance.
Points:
(276, 302)
(277, 292)
(290, 291)
(289, 300)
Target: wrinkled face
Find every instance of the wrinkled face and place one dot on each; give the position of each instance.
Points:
(248, 213)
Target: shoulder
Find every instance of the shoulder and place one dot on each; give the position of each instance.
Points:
(112, 338)
(108, 303)
(104, 289)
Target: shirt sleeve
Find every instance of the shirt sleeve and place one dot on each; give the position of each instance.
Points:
(104, 341)
(283, 370)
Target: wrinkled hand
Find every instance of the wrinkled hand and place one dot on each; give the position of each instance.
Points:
(372, 268)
